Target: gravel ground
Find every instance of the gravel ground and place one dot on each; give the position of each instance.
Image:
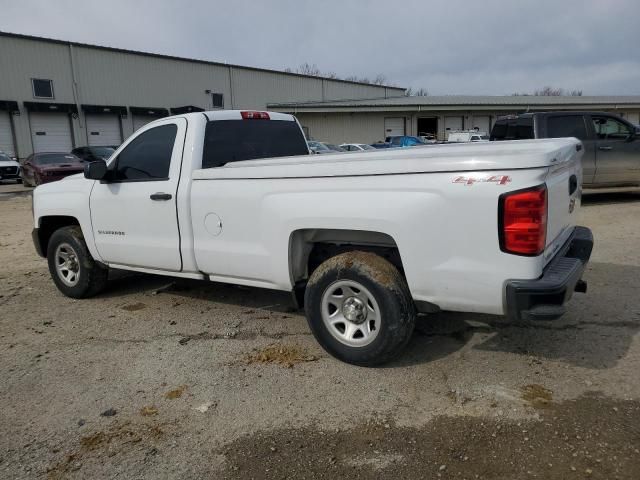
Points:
(163, 379)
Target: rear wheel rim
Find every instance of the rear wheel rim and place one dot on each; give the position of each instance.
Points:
(350, 313)
(67, 265)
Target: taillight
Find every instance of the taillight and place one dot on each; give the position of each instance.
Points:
(523, 221)
(255, 115)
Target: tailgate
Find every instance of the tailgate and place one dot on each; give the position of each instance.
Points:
(564, 190)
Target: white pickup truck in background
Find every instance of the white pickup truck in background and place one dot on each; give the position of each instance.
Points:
(365, 241)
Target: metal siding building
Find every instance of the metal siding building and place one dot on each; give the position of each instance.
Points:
(100, 94)
(368, 121)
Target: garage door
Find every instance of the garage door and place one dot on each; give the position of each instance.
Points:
(393, 126)
(140, 121)
(452, 123)
(6, 134)
(482, 123)
(103, 130)
(51, 132)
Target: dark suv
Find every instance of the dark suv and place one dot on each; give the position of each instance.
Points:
(612, 145)
(91, 154)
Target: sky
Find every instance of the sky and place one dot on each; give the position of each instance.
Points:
(487, 47)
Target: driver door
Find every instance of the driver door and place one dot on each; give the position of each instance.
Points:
(617, 151)
(133, 214)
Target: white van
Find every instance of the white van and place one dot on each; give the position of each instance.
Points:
(464, 136)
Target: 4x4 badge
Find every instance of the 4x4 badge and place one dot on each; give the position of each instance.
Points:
(497, 179)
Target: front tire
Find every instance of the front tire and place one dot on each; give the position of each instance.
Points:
(359, 308)
(72, 268)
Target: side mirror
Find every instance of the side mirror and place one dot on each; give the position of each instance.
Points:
(95, 170)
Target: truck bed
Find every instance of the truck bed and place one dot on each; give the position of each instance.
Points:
(437, 158)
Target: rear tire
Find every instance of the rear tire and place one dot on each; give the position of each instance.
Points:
(72, 268)
(359, 308)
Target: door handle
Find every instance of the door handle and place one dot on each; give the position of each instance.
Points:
(160, 196)
(605, 148)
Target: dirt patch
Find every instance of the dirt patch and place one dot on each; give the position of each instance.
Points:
(537, 395)
(134, 307)
(592, 437)
(148, 411)
(116, 439)
(284, 355)
(175, 393)
(368, 264)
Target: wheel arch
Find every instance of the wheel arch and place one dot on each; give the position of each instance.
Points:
(47, 225)
(309, 247)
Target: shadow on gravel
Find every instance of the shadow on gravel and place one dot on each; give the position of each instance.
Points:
(596, 332)
(595, 198)
(122, 282)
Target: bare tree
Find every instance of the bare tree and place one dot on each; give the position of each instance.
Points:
(313, 70)
(380, 79)
(308, 69)
(420, 92)
(548, 91)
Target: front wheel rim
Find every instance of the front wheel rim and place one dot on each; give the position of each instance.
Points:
(67, 264)
(351, 313)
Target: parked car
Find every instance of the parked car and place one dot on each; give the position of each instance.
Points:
(47, 167)
(9, 168)
(611, 144)
(379, 145)
(465, 136)
(89, 154)
(428, 138)
(322, 147)
(362, 247)
(356, 147)
(404, 141)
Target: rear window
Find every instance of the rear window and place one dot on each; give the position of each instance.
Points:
(513, 129)
(229, 141)
(567, 126)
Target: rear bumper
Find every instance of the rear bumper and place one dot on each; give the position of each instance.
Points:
(544, 298)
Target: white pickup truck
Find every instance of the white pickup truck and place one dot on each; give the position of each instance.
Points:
(365, 241)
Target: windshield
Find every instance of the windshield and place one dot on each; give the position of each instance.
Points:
(318, 146)
(330, 146)
(102, 151)
(51, 158)
(366, 147)
(5, 158)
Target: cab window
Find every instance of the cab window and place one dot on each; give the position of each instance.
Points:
(608, 128)
(567, 126)
(148, 156)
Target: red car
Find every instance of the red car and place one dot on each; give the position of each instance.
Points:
(48, 167)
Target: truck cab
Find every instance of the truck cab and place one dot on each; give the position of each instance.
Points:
(611, 144)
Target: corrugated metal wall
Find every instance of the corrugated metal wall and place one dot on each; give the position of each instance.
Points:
(346, 127)
(107, 77)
